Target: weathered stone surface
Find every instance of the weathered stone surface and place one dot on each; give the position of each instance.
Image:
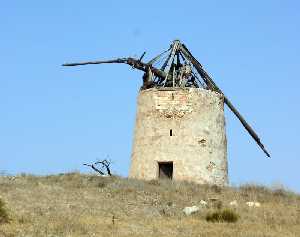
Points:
(197, 146)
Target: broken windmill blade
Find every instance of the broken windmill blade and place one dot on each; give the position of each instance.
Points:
(179, 69)
(135, 63)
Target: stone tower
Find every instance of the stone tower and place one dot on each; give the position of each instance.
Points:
(180, 134)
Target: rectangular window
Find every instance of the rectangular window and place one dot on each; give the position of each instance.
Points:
(171, 133)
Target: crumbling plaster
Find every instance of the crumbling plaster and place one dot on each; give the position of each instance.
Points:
(197, 147)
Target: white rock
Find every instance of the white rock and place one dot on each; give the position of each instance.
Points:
(257, 204)
(253, 204)
(203, 203)
(103, 175)
(234, 203)
(190, 210)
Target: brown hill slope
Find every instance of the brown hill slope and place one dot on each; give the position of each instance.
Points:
(86, 205)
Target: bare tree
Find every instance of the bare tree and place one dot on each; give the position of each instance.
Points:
(103, 164)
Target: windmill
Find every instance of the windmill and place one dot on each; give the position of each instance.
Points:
(180, 125)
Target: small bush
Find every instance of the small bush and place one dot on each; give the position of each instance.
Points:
(252, 188)
(3, 213)
(154, 182)
(280, 192)
(226, 215)
(101, 185)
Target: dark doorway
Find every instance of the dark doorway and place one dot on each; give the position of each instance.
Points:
(165, 170)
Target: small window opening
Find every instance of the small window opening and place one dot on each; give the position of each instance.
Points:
(165, 170)
(171, 133)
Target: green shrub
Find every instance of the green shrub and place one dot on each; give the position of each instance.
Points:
(3, 213)
(226, 215)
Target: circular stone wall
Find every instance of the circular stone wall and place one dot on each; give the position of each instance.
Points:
(182, 128)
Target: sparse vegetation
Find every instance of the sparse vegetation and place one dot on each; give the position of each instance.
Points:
(76, 205)
(225, 215)
(3, 213)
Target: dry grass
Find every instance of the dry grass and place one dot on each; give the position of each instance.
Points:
(3, 213)
(86, 205)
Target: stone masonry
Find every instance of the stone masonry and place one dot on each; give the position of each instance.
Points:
(185, 126)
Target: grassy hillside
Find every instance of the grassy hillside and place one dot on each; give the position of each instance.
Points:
(86, 205)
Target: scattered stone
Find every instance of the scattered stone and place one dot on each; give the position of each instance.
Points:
(190, 210)
(234, 203)
(203, 203)
(253, 204)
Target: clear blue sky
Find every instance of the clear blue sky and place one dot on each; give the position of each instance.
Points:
(53, 119)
